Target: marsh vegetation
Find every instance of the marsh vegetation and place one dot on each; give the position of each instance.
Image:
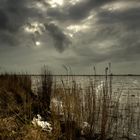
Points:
(68, 110)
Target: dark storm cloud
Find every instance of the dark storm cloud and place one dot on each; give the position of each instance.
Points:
(3, 20)
(118, 32)
(120, 27)
(13, 14)
(111, 35)
(83, 9)
(9, 15)
(127, 31)
(60, 39)
(129, 17)
(76, 12)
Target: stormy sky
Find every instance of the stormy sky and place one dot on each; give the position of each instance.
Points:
(75, 33)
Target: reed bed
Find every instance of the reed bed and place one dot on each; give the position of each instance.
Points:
(94, 111)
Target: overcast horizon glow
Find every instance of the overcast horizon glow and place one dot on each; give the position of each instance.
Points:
(75, 33)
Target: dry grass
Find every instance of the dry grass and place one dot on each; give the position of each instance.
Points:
(105, 116)
(18, 106)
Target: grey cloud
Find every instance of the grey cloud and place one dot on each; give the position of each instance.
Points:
(121, 29)
(83, 9)
(113, 35)
(7, 38)
(13, 15)
(3, 20)
(129, 17)
(76, 12)
(60, 39)
(122, 49)
(124, 26)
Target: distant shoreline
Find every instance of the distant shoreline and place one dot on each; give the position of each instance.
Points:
(86, 75)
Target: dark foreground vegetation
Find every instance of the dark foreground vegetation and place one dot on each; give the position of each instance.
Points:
(93, 113)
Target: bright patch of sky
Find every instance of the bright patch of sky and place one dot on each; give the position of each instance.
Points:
(77, 28)
(120, 5)
(34, 27)
(41, 6)
(55, 3)
(73, 2)
(37, 43)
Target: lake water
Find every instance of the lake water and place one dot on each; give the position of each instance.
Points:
(126, 83)
(125, 116)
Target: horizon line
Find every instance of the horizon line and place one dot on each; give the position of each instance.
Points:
(71, 74)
